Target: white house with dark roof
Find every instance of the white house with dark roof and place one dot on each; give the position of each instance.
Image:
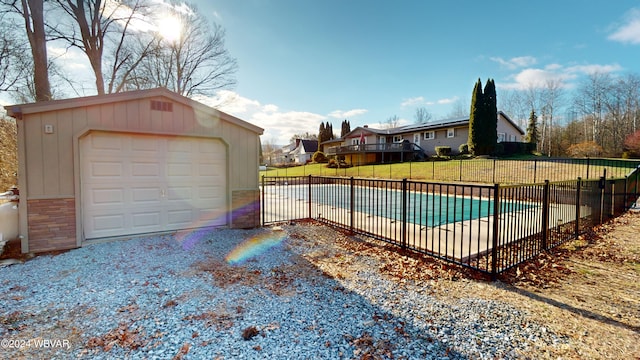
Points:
(365, 145)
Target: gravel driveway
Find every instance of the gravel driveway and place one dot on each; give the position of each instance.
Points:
(251, 294)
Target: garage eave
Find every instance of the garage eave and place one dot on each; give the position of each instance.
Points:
(18, 110)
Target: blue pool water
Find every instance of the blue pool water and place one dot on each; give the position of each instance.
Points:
(422, 208)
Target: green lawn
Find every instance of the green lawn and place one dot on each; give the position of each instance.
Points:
(469, 170)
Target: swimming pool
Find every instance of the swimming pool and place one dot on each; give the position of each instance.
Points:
(422, 208)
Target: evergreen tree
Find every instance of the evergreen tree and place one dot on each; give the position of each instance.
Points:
(475, 119)
(330, 131)
(533, 136)
(321, 134)
(346, 128)
(490, 121)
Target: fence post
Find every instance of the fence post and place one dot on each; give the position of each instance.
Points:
(263, 203)
(535, 170)
(404, 205)
(587, 167)
(433, 169)
(545, 214)
(578, 199)
(496, 228)
(309, 196)
(601, 186)
(494, 171)
(460, 170)
(352, 206)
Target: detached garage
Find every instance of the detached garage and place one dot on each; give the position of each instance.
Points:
(131, 163)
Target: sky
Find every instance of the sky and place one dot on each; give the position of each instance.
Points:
(303, 62)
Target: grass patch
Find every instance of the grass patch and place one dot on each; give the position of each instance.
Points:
(523, 170)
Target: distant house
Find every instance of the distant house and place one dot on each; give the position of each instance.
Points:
(298, 152)
(365, 145)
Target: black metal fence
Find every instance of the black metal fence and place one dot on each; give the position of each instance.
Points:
(490, 228)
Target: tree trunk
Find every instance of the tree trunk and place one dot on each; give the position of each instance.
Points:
(33, 13)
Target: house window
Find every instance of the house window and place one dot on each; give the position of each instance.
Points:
(512, 137)
(451, 132)
(382, 140)
(161, 106)
(429, 135)
(355, 141)
(501, 137)
(397, 138)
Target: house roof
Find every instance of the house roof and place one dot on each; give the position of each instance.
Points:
(310, 145)
(54, 105)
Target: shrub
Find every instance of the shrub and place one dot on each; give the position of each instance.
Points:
(9, 154)
(584, 149)
(632, 144)
(333, 163)
(498, 149)
(319, 157)
(442, 151)
(463, 149)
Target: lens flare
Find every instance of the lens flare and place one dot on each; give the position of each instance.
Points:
(254, 246)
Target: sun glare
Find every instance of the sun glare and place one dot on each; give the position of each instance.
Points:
(170, 28)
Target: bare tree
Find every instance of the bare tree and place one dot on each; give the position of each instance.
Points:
(589, 100)
(31, 13)
(551, 96)
(422, 115)
(392, 122)
(459, 109)
(515, 104)
(196, 63)
(11, 55)
(103, 29)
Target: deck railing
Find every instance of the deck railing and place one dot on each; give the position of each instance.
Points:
(379, 147)
(490, 228)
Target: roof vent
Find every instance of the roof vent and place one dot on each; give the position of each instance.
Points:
(161, 106)
(366, 126)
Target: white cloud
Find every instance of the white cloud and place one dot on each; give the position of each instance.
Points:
(447, 101)
(594, 68)
(537, 78)
(385, 125)
(629, 32)
(270, 108)
(413, 101)
(516, 62)
(339, 114)
(420, 101)
(279, 126)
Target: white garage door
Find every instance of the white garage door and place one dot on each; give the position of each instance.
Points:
(133, 184)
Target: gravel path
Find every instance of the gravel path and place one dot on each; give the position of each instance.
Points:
(178, 297)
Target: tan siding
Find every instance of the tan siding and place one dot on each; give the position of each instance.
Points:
(132, 116)
(106, 115)
(120, 116)
(93, 116)
(177, 122)
(144, 114)
(81, 120)
(34, 151)
(441, 139)
(65, 153)
(505, 127)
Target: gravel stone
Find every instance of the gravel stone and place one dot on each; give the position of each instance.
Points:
(152, 297)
